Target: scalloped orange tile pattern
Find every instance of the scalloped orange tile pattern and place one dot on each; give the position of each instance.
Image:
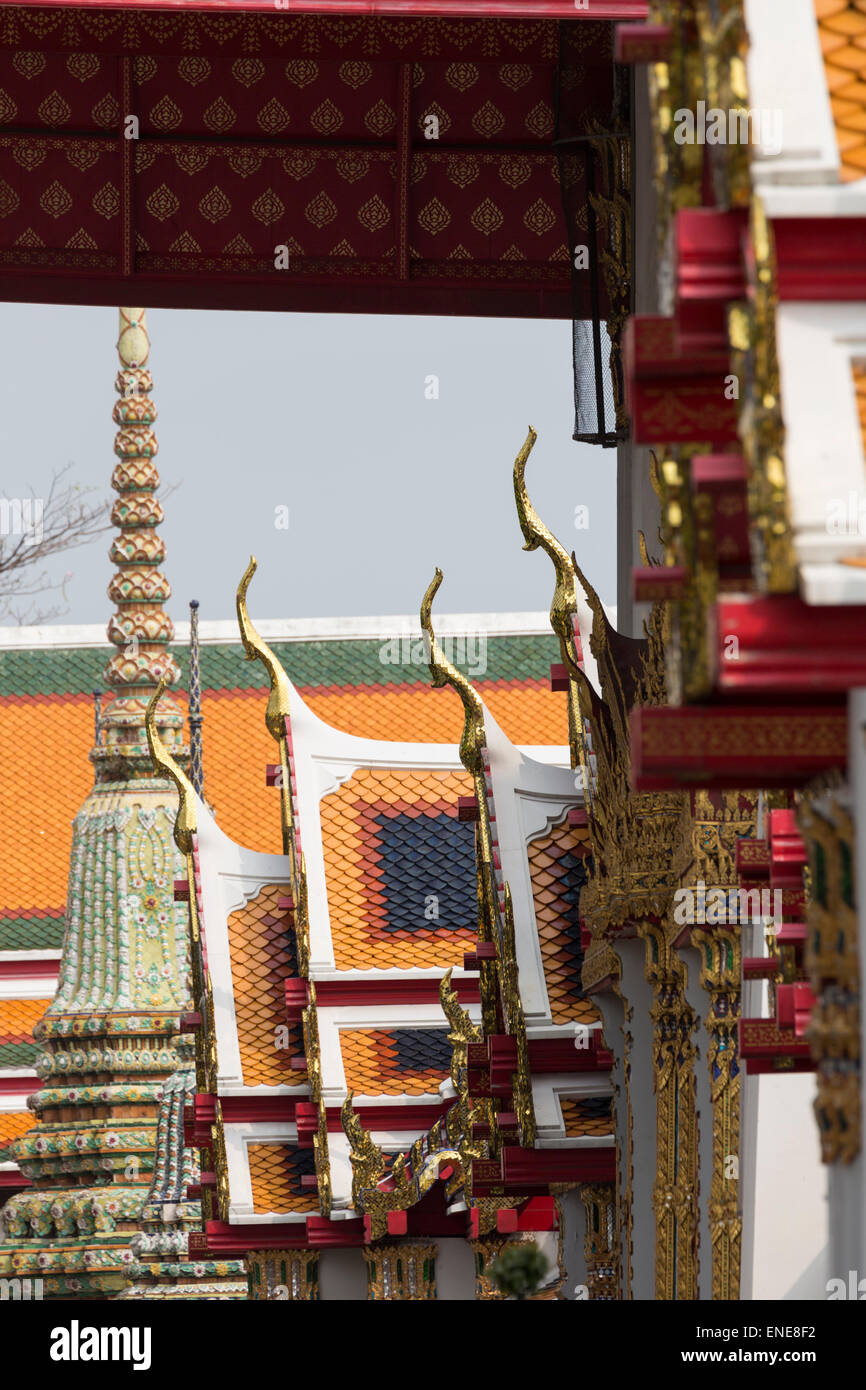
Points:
(14, 1123)
(368, 1060)
(18, 1017)
(842, 30)
(260, 966)
(354, 916)
(578, 1126)
(551, 907)
(859, 373)
(271, 1179)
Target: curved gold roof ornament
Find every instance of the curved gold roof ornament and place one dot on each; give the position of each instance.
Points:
(563, 607)
(443, 672)
(255, 649)
(185, 823)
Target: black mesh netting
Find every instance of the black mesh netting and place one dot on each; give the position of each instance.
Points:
(593, 143)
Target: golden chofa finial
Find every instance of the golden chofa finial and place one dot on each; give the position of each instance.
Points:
(473, 738)
(563, 608)
(278, 701)
(185, 824)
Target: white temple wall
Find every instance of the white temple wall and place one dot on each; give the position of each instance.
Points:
(342, 1276)
(455, 1271)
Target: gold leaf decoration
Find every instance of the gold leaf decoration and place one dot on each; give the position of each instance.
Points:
(8, 109)
(540, 121)
(352, 166)
(301, 72)
(299, 164)
(28, 65)
(434, 217)
(9, 200)
(162, 203)
(268, 208)
(487, 218)
(83, 66)
(326, 118)
(320, 210)
(190, 159)
(380, 120)
(488, 120)
(244, 161)
(165, 114)
(82, 155)
(355, 74)
(194, 70)
(374, 214)
(433, 108)
(248, 71)
(106, 112)
(81, 241)
(273, 117)
(515, 75)
(219, 116)
(56, 200)
(29, 156)
(461, 76)
(462, 169)
(143, 69)
(539, 218)
(54, 110)
(238, 246)
(515, 169)
(187, 244)
(214, 206)
(106, 201)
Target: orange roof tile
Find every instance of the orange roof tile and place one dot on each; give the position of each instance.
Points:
(859, 373)
(14, 1123)
(275, 1177)
(262, 956)
(579, 1124)
(17, 1018)
(842, 32)
(552, 863)
(370, 1062)
(363, 933)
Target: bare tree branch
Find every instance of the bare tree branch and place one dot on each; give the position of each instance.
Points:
(42, 528)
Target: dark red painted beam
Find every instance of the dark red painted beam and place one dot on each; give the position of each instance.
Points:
(821, 258)
(405, 9)
(342, 994)
(266, 294)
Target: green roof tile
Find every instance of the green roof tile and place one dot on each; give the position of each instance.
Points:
(31, 933)
(18, 1054)
(310, 665)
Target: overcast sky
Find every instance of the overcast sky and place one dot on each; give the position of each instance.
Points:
(325, 415)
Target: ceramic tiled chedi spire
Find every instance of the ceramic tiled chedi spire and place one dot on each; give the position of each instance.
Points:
(107, 1043)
